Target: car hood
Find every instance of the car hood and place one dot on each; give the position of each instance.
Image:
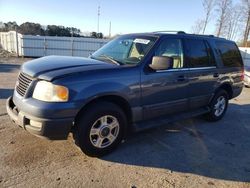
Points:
(52, 67)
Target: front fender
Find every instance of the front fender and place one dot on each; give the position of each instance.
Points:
(128, 90)
(107, 88)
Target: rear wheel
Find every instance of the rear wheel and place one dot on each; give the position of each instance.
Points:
(100, 128)
(218, 106)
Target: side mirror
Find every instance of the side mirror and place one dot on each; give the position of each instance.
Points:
(162, 63)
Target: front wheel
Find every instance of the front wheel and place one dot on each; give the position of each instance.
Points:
(100, 129)
(218, 106)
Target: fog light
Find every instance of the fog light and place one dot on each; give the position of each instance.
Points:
(36, 124)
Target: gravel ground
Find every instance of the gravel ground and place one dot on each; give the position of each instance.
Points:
(190, 153)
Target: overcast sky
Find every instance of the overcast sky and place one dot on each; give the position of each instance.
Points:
(126, 16)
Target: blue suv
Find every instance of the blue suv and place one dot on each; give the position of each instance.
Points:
(135, 82)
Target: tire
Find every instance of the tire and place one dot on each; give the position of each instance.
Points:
(218, 106)
(100, 129)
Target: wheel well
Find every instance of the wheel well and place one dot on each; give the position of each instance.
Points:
(228, 89)
(119, 101)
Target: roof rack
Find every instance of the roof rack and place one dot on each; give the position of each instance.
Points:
(182, 32)
(177, 32)
(203, 35)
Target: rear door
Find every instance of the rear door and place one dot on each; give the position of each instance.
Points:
(203, 73)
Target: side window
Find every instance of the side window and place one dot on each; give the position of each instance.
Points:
(199, 54)
(171, 48)
(230, 54)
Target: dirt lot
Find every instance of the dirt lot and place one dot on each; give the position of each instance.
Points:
(190, 153)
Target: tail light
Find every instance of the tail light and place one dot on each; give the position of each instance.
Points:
(242, 74)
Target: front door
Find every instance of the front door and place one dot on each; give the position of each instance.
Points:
(165, 92)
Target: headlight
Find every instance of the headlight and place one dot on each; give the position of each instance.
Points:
(46, 91)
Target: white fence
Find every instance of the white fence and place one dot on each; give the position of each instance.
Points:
(11, 41)
(38, 46)
(245, 53)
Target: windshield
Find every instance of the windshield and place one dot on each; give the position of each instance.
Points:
(125, 50)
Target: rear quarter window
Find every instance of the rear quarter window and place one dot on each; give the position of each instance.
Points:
(229, 54)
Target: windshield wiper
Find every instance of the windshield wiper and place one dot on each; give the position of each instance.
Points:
(111, 59)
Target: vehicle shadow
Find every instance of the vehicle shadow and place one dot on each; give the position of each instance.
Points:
(218, 150)
(5, 93)
(9, 68)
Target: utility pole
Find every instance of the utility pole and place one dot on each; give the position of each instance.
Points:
(98, 14)
(109, 29)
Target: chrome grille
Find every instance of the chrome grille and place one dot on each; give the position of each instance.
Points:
(23, 84)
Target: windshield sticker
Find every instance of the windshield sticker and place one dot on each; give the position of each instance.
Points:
(142, 41)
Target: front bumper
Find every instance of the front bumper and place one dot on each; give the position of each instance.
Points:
(53, 129)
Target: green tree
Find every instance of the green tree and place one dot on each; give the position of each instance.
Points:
(9, 26)
(99, 35)
(93, 34)
(29, 28)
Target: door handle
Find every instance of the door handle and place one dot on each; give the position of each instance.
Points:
(216, 75)
(181, 78)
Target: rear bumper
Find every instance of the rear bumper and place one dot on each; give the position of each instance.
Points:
(237, 89)
(247, 80)
(53, 129)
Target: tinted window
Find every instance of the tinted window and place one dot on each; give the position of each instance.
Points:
(230, 54)
(171, 48)
(199, 54)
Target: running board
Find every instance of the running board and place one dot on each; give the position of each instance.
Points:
(148, 124)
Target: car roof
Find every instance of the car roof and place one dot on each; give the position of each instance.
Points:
(179, 33)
